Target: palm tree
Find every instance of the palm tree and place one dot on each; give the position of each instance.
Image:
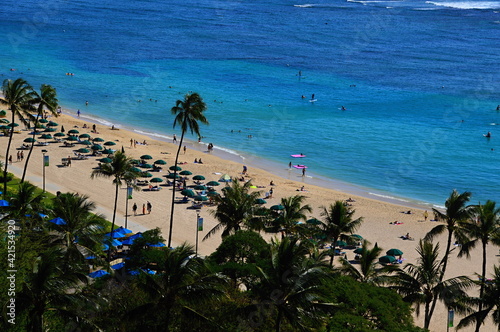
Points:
(370, 271)
(46, 99)
(81, 234)
(338, 224)
(181, 282)
(295, 284)
(25, 204)
(288, 218)
(188, 113)
(120, 169)
(489, 301)
(421, 283)
(485, 227)
(18, 96)
(236, 209)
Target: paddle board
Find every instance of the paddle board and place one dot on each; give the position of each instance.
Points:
(312, 100)
(300, 166)
(298, 155)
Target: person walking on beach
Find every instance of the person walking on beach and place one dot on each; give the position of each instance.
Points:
(184, 149)
(143, 208)
(149, 206)
(10, 160)
(303, 172)
(78, 113)
(425, 215)
(175, 139)
(134, 208)
(290, 165)
(22, 155)
(18, 156)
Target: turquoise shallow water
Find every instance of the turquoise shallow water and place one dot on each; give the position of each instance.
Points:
(419, 80)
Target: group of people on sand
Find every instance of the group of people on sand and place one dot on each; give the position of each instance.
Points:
(145, 207)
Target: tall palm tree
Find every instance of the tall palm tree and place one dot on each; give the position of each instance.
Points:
(81, 234)
(121, 169)
(18, 97)
(236, 209)
(182, 280)
(338, 224)
(293, 212)
(46, 100)
(295, 284)
(490, 301)
(25, 204)
(188, 113)
(484, 227)
(370, 270)
(421, 284)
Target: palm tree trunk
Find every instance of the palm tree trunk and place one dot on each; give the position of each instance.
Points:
(7, 158)
(428, 315)
(113, 222)
(333, 251)
(278, 320)
(173, 192)
(31, 149)
(481, 291)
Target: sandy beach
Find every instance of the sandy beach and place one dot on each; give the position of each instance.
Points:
(378, 215)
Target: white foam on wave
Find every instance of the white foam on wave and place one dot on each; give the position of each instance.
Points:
(307, 5)
(467, 4)
(389, 197)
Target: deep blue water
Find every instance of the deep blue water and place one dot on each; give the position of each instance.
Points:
(419, 79)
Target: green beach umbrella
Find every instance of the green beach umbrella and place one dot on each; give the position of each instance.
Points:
(98, 139)
(29, 140)
(160, 162)
(188, 193)
(387, 259)
(146, 175)
(46, 136)
(13, 124)
(40, 126)
(52, 124)
(135, 162)
(106, 160)
(185, 173)
(136, 170)
(175, 168)
(198, 177)
(200, 187)
(213, 193)
(59, 134)
(83, 150)
(146, 156)
(3, 113)
(72, 138)
(277, 207)
(358, 251)
(200, 198)
(313, 221)
(4, 127)
(86, 142)
(146, 166)
(260, 201)
(43, 121)
(156, 180)
(50, 130)
(172, 176)
(84, 136)
(110, 143)
(4, 121)
(107, 151)
(213, 184)
(96, 147)
(357, 237)
(340, 243)
(73, 131)
(394, 252)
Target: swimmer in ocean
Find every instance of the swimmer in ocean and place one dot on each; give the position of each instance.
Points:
(343, 108)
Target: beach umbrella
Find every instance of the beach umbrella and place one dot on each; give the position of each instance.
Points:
(188, 193)
(29, 140)
(387, 259)
(110, 143)
(4, 127)
(40, 126)
(50, 130)
(108, 151)
(146, 156)
(313, 221)
(4, 120)
(156, 180)
(340, 243)
(198, 177)
(72, 138)
(159, 244)
(83, 150)
(13, 124)
(124, 230)
(116, 234)
(135, 162)
(106, 160)
(59, 134)
(357, 237)
(58, 221)
(394, 252)
(200, 187)
(43, 121)
(146, 166)
(52, 124)
(185, 173)
(260, 201)
(98, 274)
(358, 251)
(118, 266)
(3, 202)
(96, 147)
(3, 113)
(225, 178)
(115, 242)
(46, 136)
(277, 207)
(213, 184)
(160, 162)
(175, 168)
(213, 193)
(200, 198)
(98, 139)
(172, 176)
(128, 241)
(135, 170)
(86, 142)
(73, 131)
(84, 136)
(146, 175)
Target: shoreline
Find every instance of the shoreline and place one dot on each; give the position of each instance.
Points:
(270, 166)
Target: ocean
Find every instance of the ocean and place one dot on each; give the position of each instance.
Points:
(419, 81)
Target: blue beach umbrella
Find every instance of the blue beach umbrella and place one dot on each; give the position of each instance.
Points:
(118, 266)
(3, 202)
(58, 221)
(123, 230)
(157, 245)
(98, 274)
